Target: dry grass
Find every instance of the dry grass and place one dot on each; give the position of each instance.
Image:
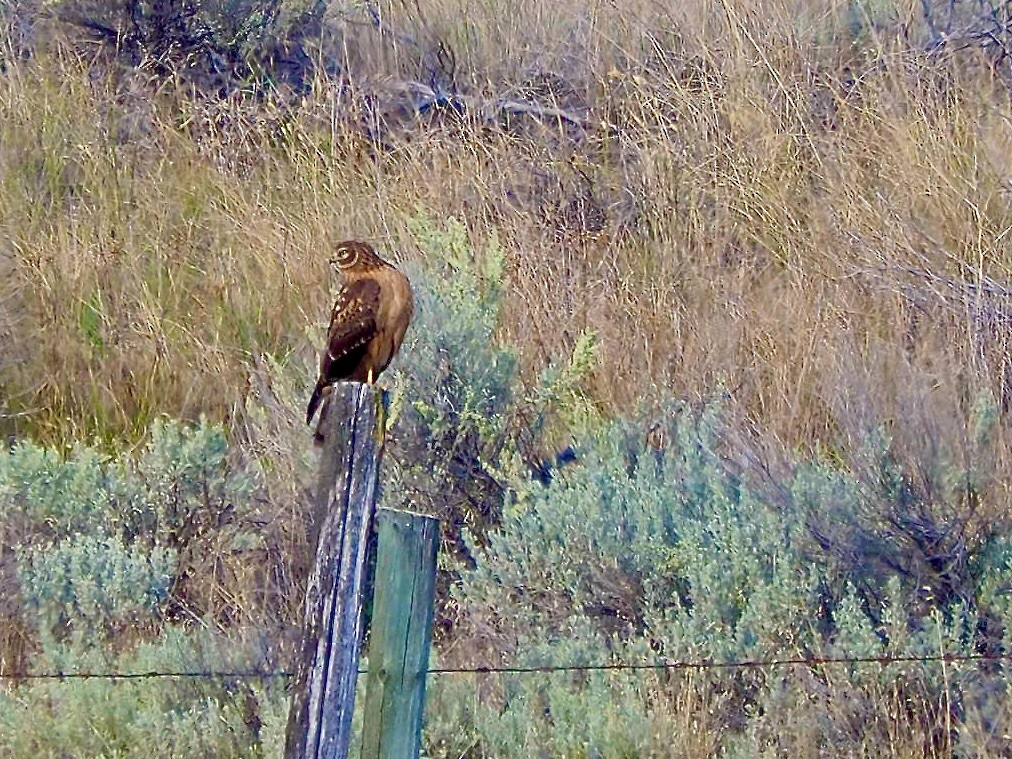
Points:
(818, 219)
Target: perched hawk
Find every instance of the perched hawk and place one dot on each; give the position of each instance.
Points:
(371, 315)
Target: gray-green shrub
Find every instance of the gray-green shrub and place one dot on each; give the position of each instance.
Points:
(180, 484)
(176, 717)
(86, 588)
(645, 554)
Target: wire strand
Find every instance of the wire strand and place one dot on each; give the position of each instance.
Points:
(710, 664)
(547, 668)
(58, 675)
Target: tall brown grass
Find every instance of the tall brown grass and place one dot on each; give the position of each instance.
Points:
(797, 201)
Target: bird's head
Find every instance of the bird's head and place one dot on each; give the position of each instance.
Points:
(354, 256)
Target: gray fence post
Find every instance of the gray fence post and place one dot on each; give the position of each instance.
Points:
(323, 697)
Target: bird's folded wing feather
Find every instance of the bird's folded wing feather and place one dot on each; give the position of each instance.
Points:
(352, 326)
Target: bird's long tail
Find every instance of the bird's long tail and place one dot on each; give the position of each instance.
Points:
(314, 402)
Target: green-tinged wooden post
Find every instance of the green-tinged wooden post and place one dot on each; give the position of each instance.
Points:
(323, 697)
(401, 634)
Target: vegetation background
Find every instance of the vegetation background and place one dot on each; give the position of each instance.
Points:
(711, 360)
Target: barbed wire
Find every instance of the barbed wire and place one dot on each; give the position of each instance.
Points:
(546, 668)
(746, 664)
(225, 675)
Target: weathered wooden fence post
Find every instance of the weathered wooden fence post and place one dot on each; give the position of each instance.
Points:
(323, 697)
(401, 634)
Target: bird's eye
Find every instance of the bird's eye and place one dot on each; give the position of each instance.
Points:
(345, 257)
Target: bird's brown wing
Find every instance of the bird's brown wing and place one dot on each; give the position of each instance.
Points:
(352, 326)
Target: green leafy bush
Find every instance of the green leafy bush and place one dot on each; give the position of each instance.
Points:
(217, 45)
(462, 375)
(911, 509)
(635, 538)
(183, 484)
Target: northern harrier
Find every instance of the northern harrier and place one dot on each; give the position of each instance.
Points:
(371, 314)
